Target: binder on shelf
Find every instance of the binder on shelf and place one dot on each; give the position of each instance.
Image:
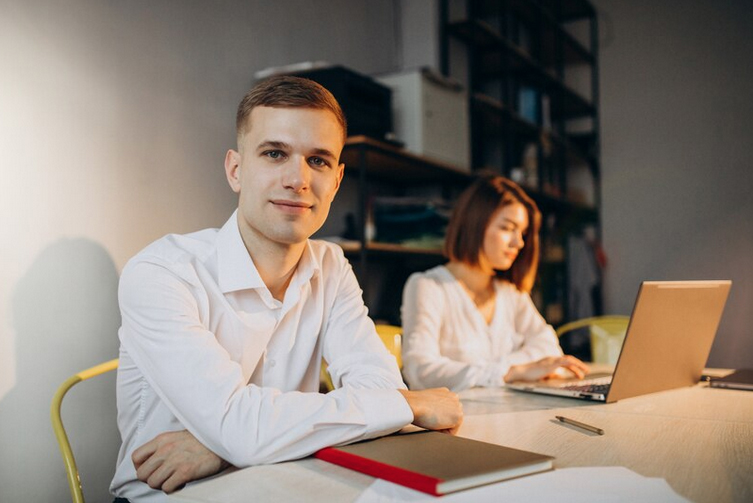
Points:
(436, 463)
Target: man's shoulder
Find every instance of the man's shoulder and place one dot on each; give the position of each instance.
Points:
(177, 249)
(327, 253)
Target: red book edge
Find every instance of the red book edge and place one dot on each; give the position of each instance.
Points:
(401, 476)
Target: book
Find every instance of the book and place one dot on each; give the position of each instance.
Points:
(739, 379)
(436, 463)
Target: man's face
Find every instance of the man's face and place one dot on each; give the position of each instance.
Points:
(286, 173)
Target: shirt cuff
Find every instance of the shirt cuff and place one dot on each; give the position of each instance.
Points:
(386, 409)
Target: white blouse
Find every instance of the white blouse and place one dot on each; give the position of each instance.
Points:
(447, 342)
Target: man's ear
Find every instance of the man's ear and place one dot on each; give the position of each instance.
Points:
(340, 174)
(233, 170)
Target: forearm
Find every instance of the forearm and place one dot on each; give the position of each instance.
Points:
(425, 372)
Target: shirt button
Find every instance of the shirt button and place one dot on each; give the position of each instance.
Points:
(272, 363)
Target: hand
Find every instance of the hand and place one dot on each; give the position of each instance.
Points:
(435, 409)
(172, 459)
(546, 368)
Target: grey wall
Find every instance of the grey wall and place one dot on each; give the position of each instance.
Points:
(677, 156)
(114, 121)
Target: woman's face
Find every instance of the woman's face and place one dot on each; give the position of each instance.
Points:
(503, 238)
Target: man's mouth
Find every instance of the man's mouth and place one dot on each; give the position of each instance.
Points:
(289, 206)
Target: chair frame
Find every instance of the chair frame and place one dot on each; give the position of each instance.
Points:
(587, 322)
(71, 470)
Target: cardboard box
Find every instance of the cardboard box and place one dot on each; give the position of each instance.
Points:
(430, 115)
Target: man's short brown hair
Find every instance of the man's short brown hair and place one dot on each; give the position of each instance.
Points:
(287, 92)
(472, 214)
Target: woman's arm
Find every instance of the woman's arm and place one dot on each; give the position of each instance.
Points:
(426, 313)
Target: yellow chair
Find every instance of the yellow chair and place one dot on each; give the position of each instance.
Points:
(74, 482)
(392, 337)
(607, 334)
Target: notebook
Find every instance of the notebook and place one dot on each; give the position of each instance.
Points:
(436, 463)
(666, 345)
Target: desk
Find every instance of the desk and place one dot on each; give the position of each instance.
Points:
(699, 439)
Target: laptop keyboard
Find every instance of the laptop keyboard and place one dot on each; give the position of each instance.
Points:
(599, 385)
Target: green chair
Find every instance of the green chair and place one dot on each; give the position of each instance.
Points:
(607, 334)
(392, 337)
(74, 482)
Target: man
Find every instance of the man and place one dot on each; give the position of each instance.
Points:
(224, 330)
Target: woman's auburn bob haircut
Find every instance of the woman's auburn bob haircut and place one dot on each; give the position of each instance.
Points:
(473, 212)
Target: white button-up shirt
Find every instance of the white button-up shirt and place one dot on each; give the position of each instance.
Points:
(447, 342)
(205, 347)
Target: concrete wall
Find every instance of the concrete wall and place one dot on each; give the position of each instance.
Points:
(677, 155)
(114, 121)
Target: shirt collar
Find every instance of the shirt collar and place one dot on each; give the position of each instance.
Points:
(237, 271)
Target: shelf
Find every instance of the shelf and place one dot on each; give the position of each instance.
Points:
(557, 10)
(353, 248)
(498, 55)
(385, 161)
(493, 114)
(552, 204)
(569, 10)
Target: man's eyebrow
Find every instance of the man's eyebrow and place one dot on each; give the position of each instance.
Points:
(279, 145)
(324, 153)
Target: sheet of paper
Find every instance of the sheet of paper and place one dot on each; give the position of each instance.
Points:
(578, 485)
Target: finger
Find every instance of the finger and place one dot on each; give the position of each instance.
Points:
(146, 469)
(144, 452)
(158, 477)
(176, 481)
(577, 362)
(577, 371)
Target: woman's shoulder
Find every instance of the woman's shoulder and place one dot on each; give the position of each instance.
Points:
(508, 289)
(438, 274)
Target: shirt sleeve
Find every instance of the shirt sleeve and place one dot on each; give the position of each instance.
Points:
(537, 338)
(424, 366)
(355, 355)
(205, 390)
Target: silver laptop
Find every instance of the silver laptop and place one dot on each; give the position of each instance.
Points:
(666, 345)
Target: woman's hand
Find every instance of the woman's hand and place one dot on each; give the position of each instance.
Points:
(546, 368)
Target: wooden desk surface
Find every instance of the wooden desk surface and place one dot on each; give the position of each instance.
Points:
(699, 439)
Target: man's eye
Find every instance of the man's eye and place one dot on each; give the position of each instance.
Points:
(318, 161)
(273, 154)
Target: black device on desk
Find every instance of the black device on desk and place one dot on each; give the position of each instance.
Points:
(739, 379)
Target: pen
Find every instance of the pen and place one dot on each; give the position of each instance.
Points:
(580, 425)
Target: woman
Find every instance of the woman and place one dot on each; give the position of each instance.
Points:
(471, 322)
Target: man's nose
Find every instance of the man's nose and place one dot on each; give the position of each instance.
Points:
(296, 175)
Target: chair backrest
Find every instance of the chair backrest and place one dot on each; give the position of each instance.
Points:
(74, 482)
(392, 337)
(607, 334)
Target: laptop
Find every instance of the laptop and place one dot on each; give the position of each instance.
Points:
(666, 345)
